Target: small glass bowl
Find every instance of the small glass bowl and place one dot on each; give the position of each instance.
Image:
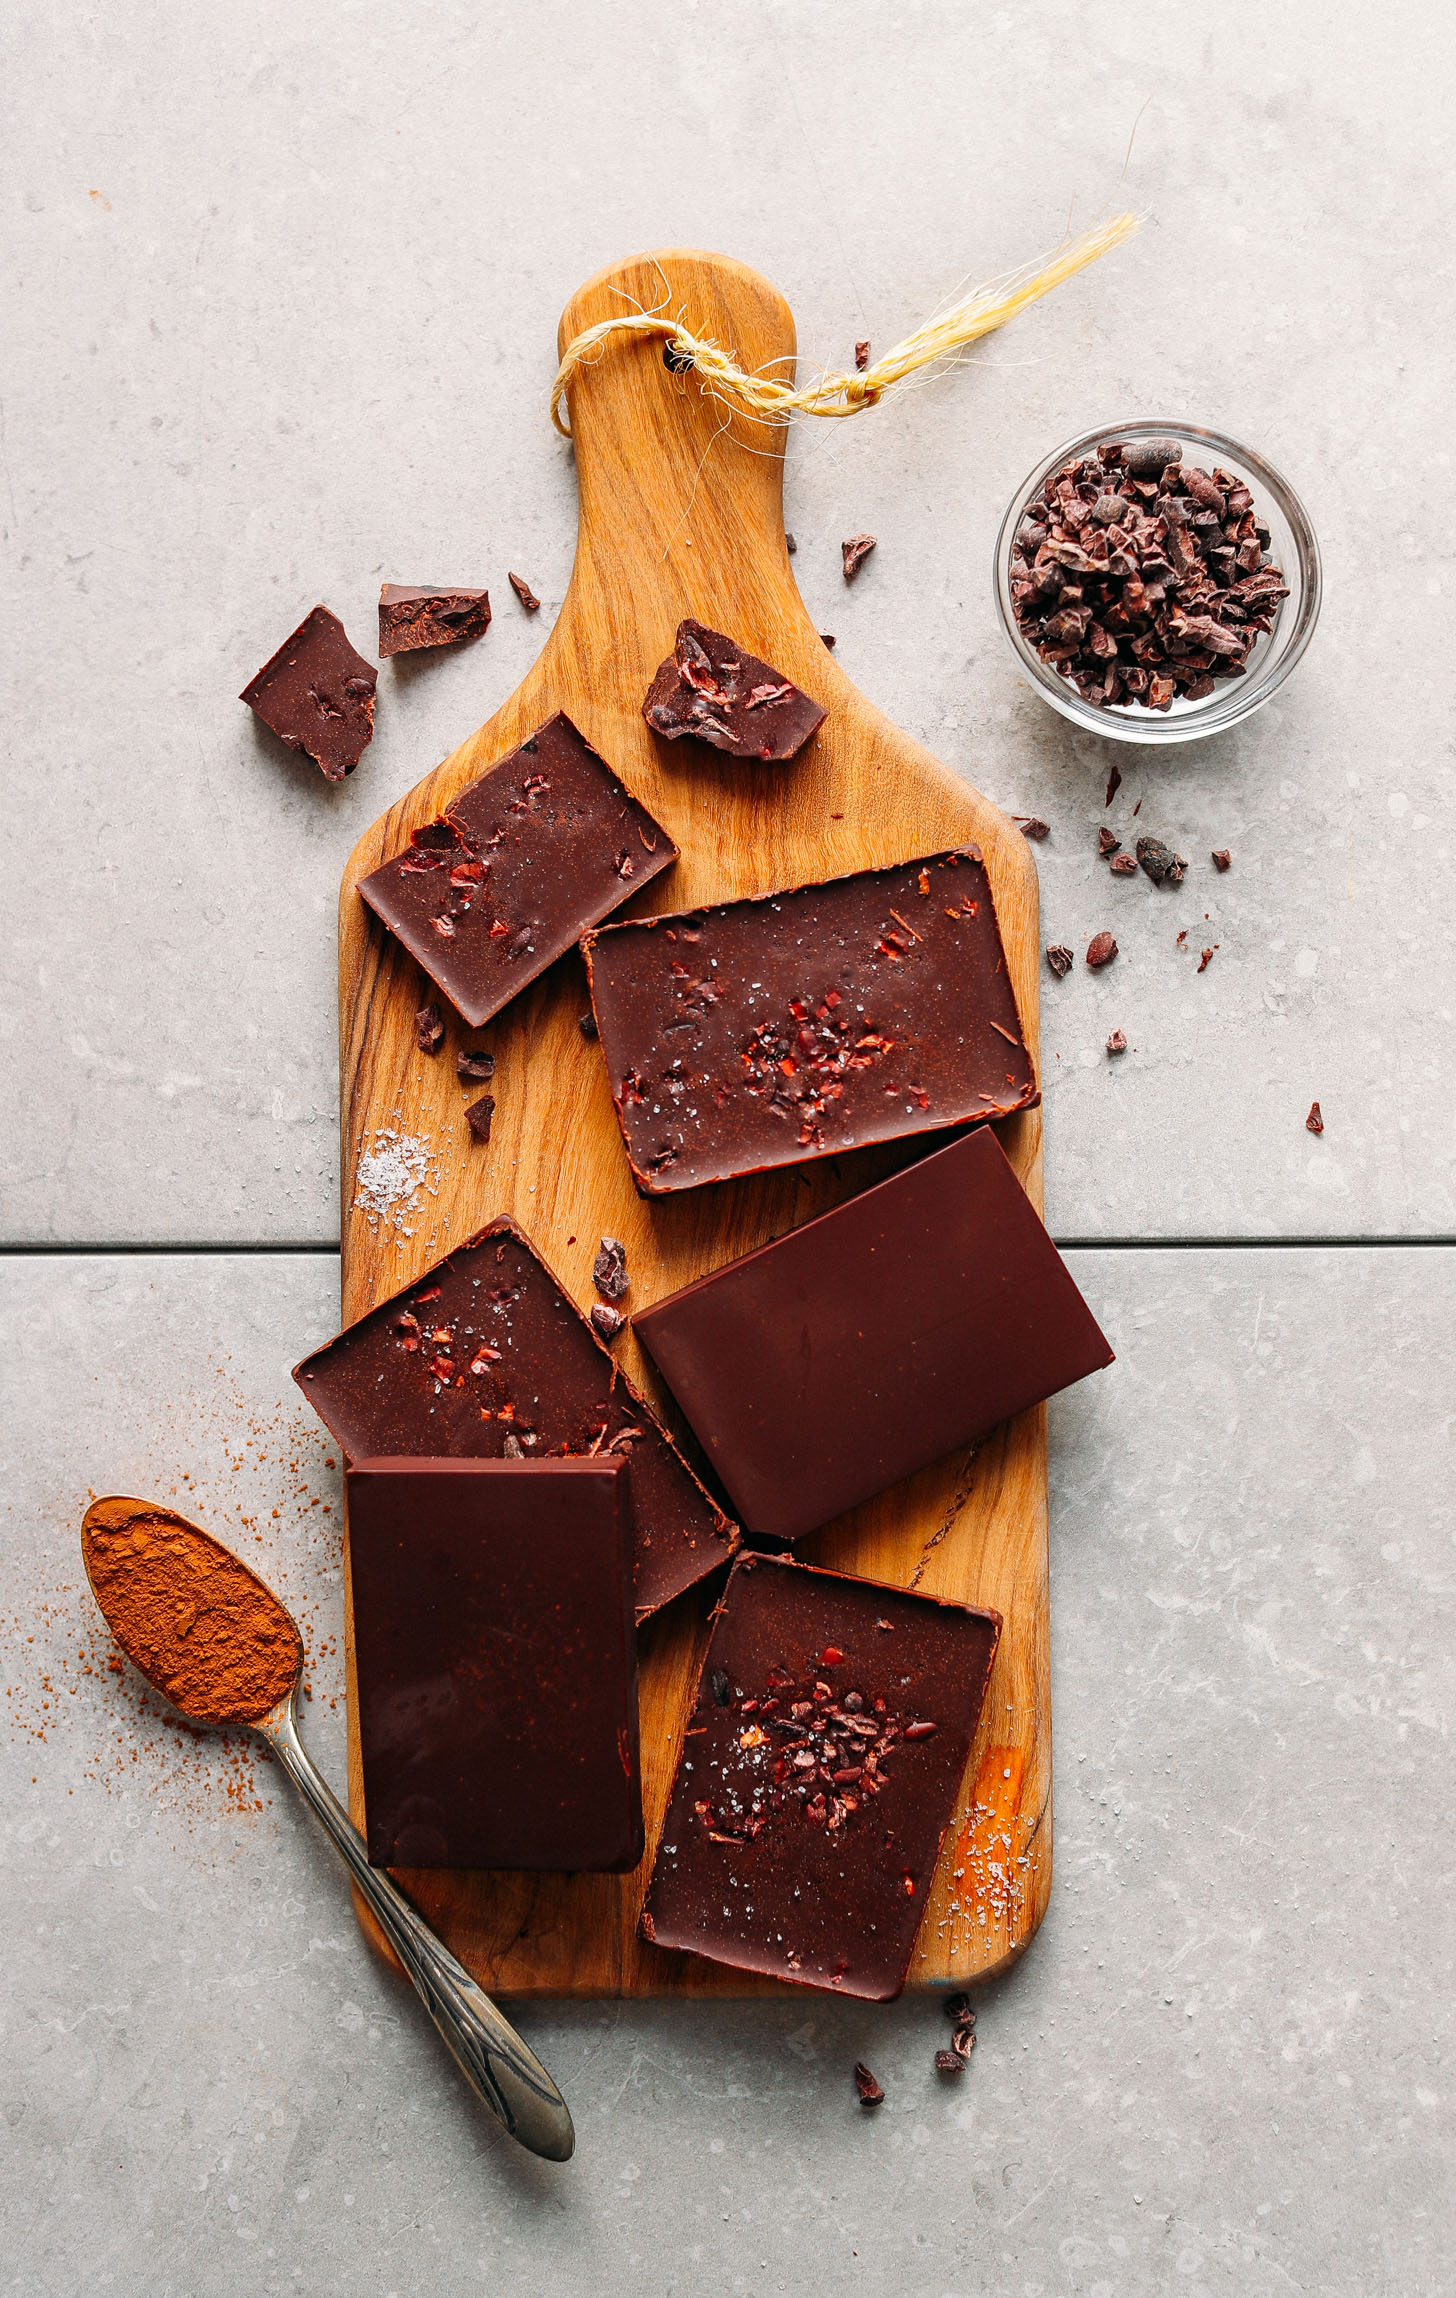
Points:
(1292, 548)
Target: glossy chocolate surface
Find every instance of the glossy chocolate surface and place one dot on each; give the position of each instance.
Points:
(317, 695)
(542, 846)
(485, 1357)
(496, 1663)
(912, 1319)
(819, 1773)
(763, 1032)
(714, 690)
(412, 615)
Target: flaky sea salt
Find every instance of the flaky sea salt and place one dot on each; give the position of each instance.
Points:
(389, 1179)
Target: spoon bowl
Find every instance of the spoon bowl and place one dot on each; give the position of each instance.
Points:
(244, 1669)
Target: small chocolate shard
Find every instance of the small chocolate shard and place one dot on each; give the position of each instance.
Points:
(524, 592)
(1060, 958)
(1032, 826)
(479, 1115)
(854, 552)
(317, 695)
(1101, 951)
(416, 615)
(1314, 1123)
(1114, 784)
(714, 689)
(429, 1028)
(609, 1269)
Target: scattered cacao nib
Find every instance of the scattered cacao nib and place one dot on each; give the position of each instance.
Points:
(479, 1115)
(855, 551)
(1101, 950)
(524, 591)
(513, 1449)
(415, 615)
(606, 1320)
(1060, 958)
(789, 543)
(473, 1067)
(713, 688)
(949, 2063)
(1206, 959)
(958, 2008)
(1032, 826)
(1314, 1123)
(870, 2094)
(587, 1024)
(1117, 1043)
(1114, 784)
(862, 355)
(429, 1028)
(609, 1269)
(1221, 857)
(1123, 866)
(1107, 843)
(1158, 860)
(1139, 578)
(317, 695)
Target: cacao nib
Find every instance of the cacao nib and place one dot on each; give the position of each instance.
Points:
(587, 1024)
(1123, 866)
(479, 1115)
(1117, 1043)
(473, 1067)
(606, 1320)
(870, 2093)
(524, 592)
(1157, 859)
(1314, 1123)
(1106, 842)
(609, 1269)
(1060, 958)
(429, 1028)
(855, 551)
(1114, 779)
(1206, 960)
(949, 2063)
(1101, 951)
(1032, 826)
(862, 355)
(1220, 857)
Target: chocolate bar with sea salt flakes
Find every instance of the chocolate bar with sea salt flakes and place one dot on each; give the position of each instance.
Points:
(485, 1356)
(794, 1025)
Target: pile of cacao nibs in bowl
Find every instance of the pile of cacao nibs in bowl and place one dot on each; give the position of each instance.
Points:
(1157, 581)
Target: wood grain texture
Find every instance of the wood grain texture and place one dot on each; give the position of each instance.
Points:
(681, 513)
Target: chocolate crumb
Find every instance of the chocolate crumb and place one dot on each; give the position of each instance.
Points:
(606, 1320)
(1220, 857)
(862, 355)
(1107, 843)
(1117, 1043)
(429, 1028)
(1101, 950)
(587, 1024)
(1059, 958)
(854, 553)
(524, 592)
(1114, 784)
(473, 1067)
(609, 1269)
(1204, 961)
(1123, 866)
(870, 2094)
(479, 1115)
(1314, 1123)
(1032, 826)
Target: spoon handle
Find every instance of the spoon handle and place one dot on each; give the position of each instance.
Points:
(507, 2077)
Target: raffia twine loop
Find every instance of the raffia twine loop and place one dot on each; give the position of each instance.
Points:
(768, 399)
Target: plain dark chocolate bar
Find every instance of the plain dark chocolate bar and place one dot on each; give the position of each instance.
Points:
(716, 691)
(485, 1357)
(414, 615)
(852, 1352)
(495, 1661)
(763, 1032)
(542, 846)
(818, 1775)
(317, 695)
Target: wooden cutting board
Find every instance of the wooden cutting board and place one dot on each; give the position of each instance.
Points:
(681, 512)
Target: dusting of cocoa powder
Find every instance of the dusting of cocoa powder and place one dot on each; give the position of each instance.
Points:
(198, 1624)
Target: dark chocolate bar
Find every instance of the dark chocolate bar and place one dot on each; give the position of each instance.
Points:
(413, 615)
(317, 695)
(495, 1661)
(485, 1357)
(762, 1032)
(542, 846)
(819, 1773)
(859, 1348)
(714, 689)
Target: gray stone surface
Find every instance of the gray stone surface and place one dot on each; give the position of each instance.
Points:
(1224, 2065)
(283, 288)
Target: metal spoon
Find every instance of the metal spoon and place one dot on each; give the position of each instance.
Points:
(507, 2077)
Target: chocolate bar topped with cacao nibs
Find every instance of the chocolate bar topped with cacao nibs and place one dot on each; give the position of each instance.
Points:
(413, 615)
(486, 1357)
(1140, 577)
(714, 689)
(818, 1774)
(546, 843)
(795, 1025)
(317, 695)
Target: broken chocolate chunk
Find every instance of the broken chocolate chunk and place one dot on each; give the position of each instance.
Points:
(1314, 1123)
(479, 1115)
(854, 553)
(524, 592)
(473, 1067)
(1059, 958)
(1221, 857)
(1031, 825)
(1117, 1043)
(1157, 859)
(412, 616)
(714, 689)
(870, 2093)
(317, 695)
(609, 1269)
(429, 1028)
(606, 1320)
(1101, 950)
